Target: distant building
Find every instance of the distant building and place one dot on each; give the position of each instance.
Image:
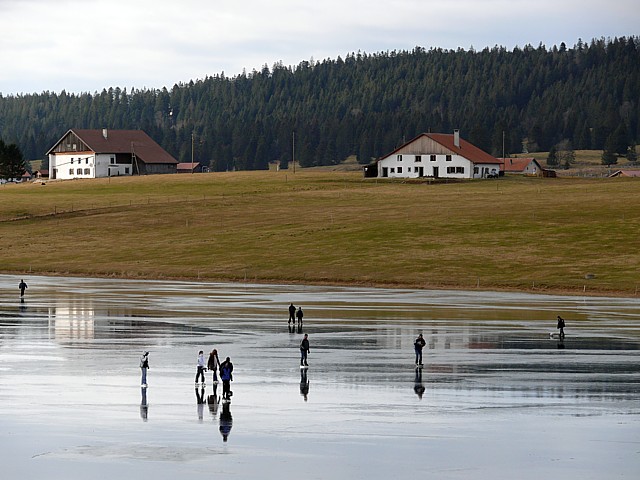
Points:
(521, 166)
(107, 153)
(437, 155)
(188, 167)
(625, 173)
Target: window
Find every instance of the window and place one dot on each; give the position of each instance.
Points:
(399, 158)
(432, 158)
(409, 169)
(451, 169)
(75, 147)
(448, 159)
(459, 169)
(476, 170)
(87, 171)
(71, 171)
(86, 160)
(126, 170)
(392, 170)
(72, 160)
(399, 169)
(418, 158)
(79, 171)
(113, 160)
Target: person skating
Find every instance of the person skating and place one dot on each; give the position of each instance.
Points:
(418, 346)
(144, 366)
(22, 286)
(200, 367)
(304, 351)
(561, 325)
(299, 314)
(292, 314)
(226, 375)
(213, 364)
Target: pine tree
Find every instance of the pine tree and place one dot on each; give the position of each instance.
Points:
(12, 164)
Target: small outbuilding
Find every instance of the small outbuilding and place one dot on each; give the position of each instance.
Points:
(521, 166)
(188, 167)
(625, 173)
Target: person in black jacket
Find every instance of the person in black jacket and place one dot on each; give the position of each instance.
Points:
(299, 314)
(419, 345)
(561, 325)
(144, 366)
(22, 286)
(304, 351)
(292, 314)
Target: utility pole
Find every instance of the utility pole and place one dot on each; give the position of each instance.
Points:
(293, 151)
(192, 137)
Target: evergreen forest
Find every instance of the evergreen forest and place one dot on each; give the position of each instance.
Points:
(523, 100)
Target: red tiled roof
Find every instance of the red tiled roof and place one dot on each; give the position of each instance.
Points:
(124, 141)
(516, 164)
(466, 149)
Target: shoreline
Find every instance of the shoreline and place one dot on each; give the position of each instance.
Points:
(542, 290)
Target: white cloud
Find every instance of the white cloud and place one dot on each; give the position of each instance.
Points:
(84, 45)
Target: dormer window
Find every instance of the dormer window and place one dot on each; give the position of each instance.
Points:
(399, 157)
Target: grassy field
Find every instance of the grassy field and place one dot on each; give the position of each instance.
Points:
(572, 235)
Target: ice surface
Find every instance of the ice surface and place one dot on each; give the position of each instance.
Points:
(497, 398)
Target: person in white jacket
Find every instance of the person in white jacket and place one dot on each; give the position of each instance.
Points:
(201, 367)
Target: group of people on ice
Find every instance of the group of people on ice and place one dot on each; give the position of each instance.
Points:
(213, 363)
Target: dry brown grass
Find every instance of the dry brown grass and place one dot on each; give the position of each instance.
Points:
(331, 227)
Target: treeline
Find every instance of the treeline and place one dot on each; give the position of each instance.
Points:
(529, 98)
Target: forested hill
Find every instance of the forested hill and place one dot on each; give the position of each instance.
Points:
(364, 104)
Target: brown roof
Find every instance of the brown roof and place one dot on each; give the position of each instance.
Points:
(188, 166)
(626, 173)
(516, 164)
(466, 149)
(123, 141)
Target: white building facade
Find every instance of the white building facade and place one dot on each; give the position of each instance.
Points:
(87, 165)
(438, 156)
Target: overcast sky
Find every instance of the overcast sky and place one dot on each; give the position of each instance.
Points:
(88, 45)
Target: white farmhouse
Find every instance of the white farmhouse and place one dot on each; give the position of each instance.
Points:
(438, 155)
(107, 153)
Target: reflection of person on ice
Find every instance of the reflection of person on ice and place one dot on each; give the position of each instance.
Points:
(201, 367)
(226, 375)
(22, 286)
(226, 421)
(304, 351)
(292, 314)
(561, 325)
(419, 345)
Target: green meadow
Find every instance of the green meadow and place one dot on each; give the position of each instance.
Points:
(569, 235)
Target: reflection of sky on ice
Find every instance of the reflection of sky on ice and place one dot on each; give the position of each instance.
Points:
(497, 396)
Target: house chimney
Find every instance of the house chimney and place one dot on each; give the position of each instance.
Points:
(104, 133)
(456, 138)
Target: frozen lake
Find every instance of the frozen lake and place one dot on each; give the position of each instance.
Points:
(497, 398)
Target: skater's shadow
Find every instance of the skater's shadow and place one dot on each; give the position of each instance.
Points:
(226, 420)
